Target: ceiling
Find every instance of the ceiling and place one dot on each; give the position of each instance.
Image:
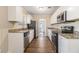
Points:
(41, 10)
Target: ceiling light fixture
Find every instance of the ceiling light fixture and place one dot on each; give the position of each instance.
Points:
(41, 8)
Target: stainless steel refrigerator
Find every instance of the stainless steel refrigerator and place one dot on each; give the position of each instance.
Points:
(32, 26)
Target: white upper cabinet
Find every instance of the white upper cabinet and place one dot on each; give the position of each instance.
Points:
(73, 12)
(57, 12)
(15, 14)
(12, 13)
(25, 19)
(29, 18)
(19, 14)
(53, 20)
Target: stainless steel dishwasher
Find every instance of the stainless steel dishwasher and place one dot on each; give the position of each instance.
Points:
(55, 40)
(26, 39)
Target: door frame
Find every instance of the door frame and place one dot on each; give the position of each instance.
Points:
(45, 25)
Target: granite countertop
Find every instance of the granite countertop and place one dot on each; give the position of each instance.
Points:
(74, 35)
(70, 36)
(18, 30)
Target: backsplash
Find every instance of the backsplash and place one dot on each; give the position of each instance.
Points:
(16, 25)
(10, 25)
(75, 24)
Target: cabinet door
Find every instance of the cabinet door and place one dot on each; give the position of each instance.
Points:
(53, 19)
(50, 34)
(25, 19)
(11, 13)
(28, 19)
(73, 12)
(15, 14)
(63, 44)
(19, 14)
(15, 42)
(60, 44)
(31, 35)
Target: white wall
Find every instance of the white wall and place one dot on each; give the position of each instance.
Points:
(3, 29)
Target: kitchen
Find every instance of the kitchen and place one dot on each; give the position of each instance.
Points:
(23, 29)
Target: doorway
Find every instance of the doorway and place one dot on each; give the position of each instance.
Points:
(42, 27)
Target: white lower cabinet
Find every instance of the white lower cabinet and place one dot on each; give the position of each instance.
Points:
(68, 45)
(50, 34)
(15, 43)
(62, 44)
(31, 35)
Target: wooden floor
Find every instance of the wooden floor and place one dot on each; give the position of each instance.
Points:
(40, 45)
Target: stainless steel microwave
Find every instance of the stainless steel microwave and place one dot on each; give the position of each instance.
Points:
(62, 17)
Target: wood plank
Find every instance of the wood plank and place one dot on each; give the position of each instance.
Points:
(40, 45)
